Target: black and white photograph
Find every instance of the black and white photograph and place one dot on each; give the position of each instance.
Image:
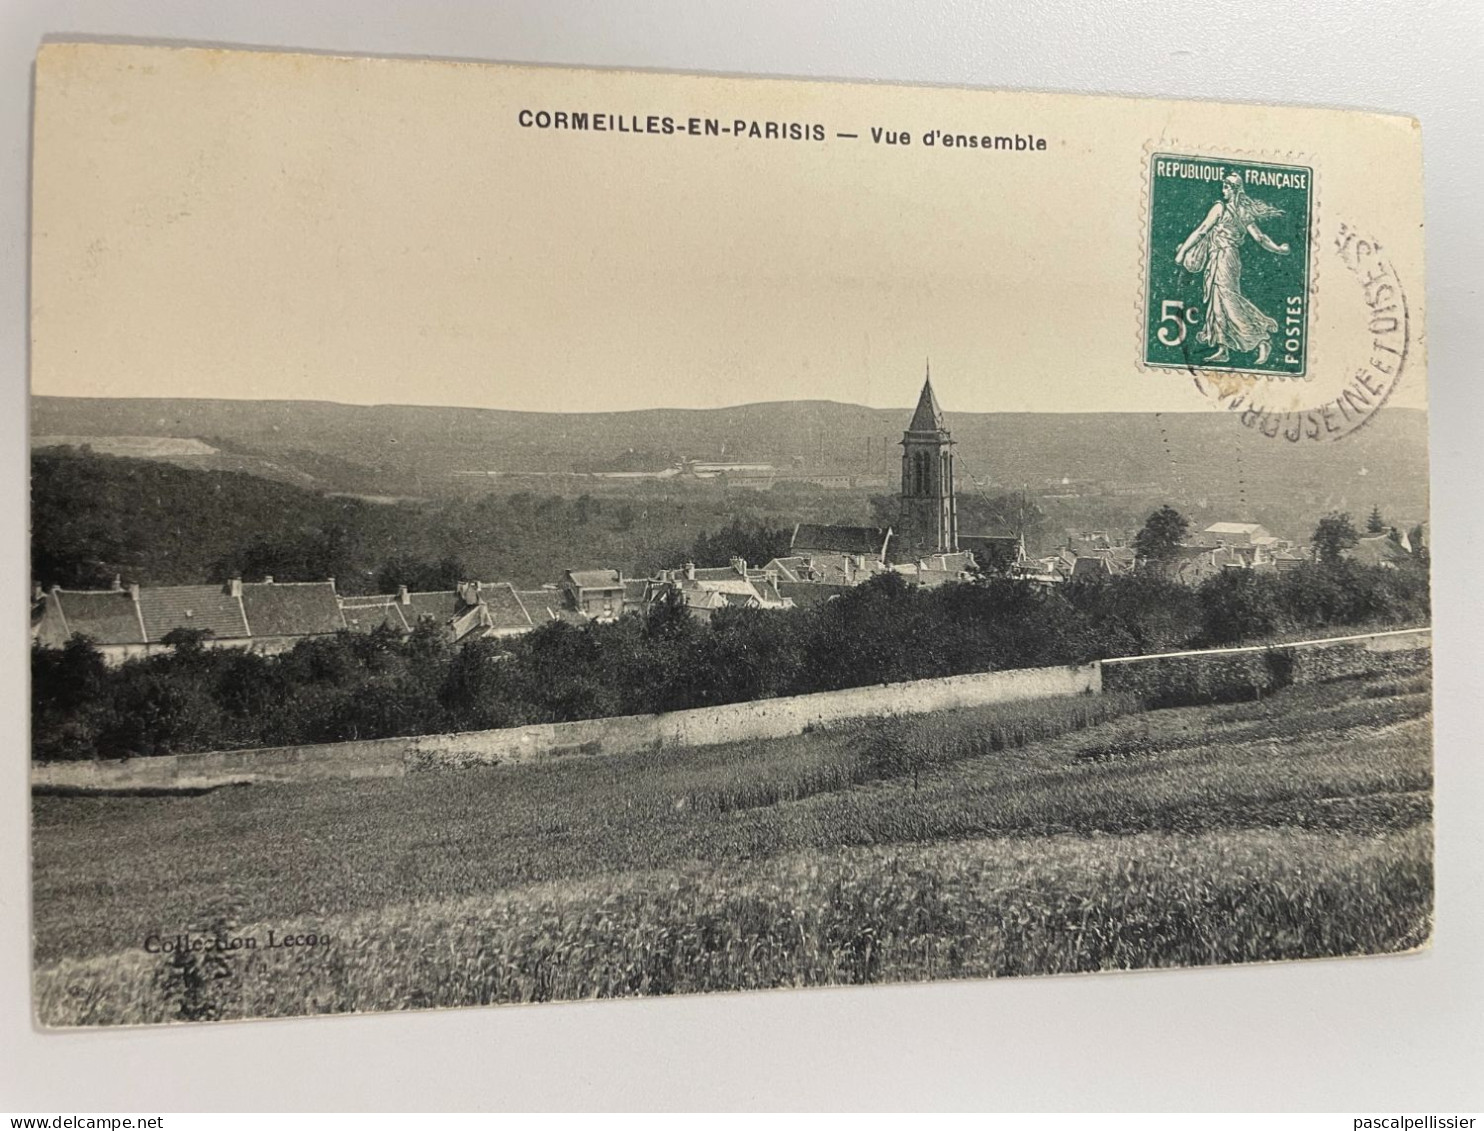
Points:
(517, 534)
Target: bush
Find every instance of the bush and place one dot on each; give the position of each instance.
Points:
(382, 684)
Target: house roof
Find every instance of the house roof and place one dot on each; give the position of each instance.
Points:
(932, 578)
(1090, 567)
(1376, 549)
(807, 593)
(703, 599)
(766, 584)
(832, 569)
(107, 616)
(439, 606)
(505, 608)
(718, 573)
(191, 606)
(308, 608)
(733, 584)
(1234, 528)
(497, 608)
(596, 578)
(789, 569)
(1188, 553)
(928, 417)
(769, 592)
(362, 614)
(543, 605)
(839, 539)
(946, 563)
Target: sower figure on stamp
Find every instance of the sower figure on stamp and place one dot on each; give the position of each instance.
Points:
(1232, 321)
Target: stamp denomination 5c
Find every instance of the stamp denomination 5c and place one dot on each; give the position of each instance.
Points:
(1227, 265)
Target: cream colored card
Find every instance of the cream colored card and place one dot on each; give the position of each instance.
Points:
(515, 533)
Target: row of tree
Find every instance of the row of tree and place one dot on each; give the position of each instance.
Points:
(379, 684)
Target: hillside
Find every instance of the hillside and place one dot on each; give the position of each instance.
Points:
(96, 516)
(189, 453)
(1195, 458)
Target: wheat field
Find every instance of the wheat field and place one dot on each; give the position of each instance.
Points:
(1044, 838)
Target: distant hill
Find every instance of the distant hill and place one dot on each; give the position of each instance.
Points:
(190, 453)
(1205, 462)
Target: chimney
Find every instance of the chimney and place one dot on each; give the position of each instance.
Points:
(740, 565)
(234, 587)
(331, 580)
(403, 597)
(134, 593)
(690, 571)
(267, 579)
(118, 583)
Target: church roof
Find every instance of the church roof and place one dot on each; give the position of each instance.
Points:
(928, 417)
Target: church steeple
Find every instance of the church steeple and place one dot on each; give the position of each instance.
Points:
(928, 417)
(929, 509)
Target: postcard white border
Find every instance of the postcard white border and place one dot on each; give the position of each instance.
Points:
(1385, 1033)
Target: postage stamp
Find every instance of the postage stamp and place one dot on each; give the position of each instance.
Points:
(1227, 265)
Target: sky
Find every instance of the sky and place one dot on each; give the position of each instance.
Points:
(258, 225)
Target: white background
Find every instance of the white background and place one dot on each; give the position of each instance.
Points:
(1351, 1035)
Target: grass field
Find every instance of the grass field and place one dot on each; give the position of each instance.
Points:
(1052, 837)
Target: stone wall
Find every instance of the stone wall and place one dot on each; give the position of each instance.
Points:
(764, 718)
(703, 726)
(1181, 677)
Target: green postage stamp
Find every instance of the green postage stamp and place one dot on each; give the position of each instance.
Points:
(1227, 271)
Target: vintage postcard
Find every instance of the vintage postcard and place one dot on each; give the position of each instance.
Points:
(511, 534)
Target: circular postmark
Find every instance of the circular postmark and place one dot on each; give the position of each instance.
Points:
(1280, 409)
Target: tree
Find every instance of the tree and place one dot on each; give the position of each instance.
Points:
(1333, 536)
(1163, 534)
(1375, 524)
(755, 542)
(187, 641)
(1238, 605)
(421, 576)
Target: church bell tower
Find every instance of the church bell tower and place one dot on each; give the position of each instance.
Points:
(929, 512)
